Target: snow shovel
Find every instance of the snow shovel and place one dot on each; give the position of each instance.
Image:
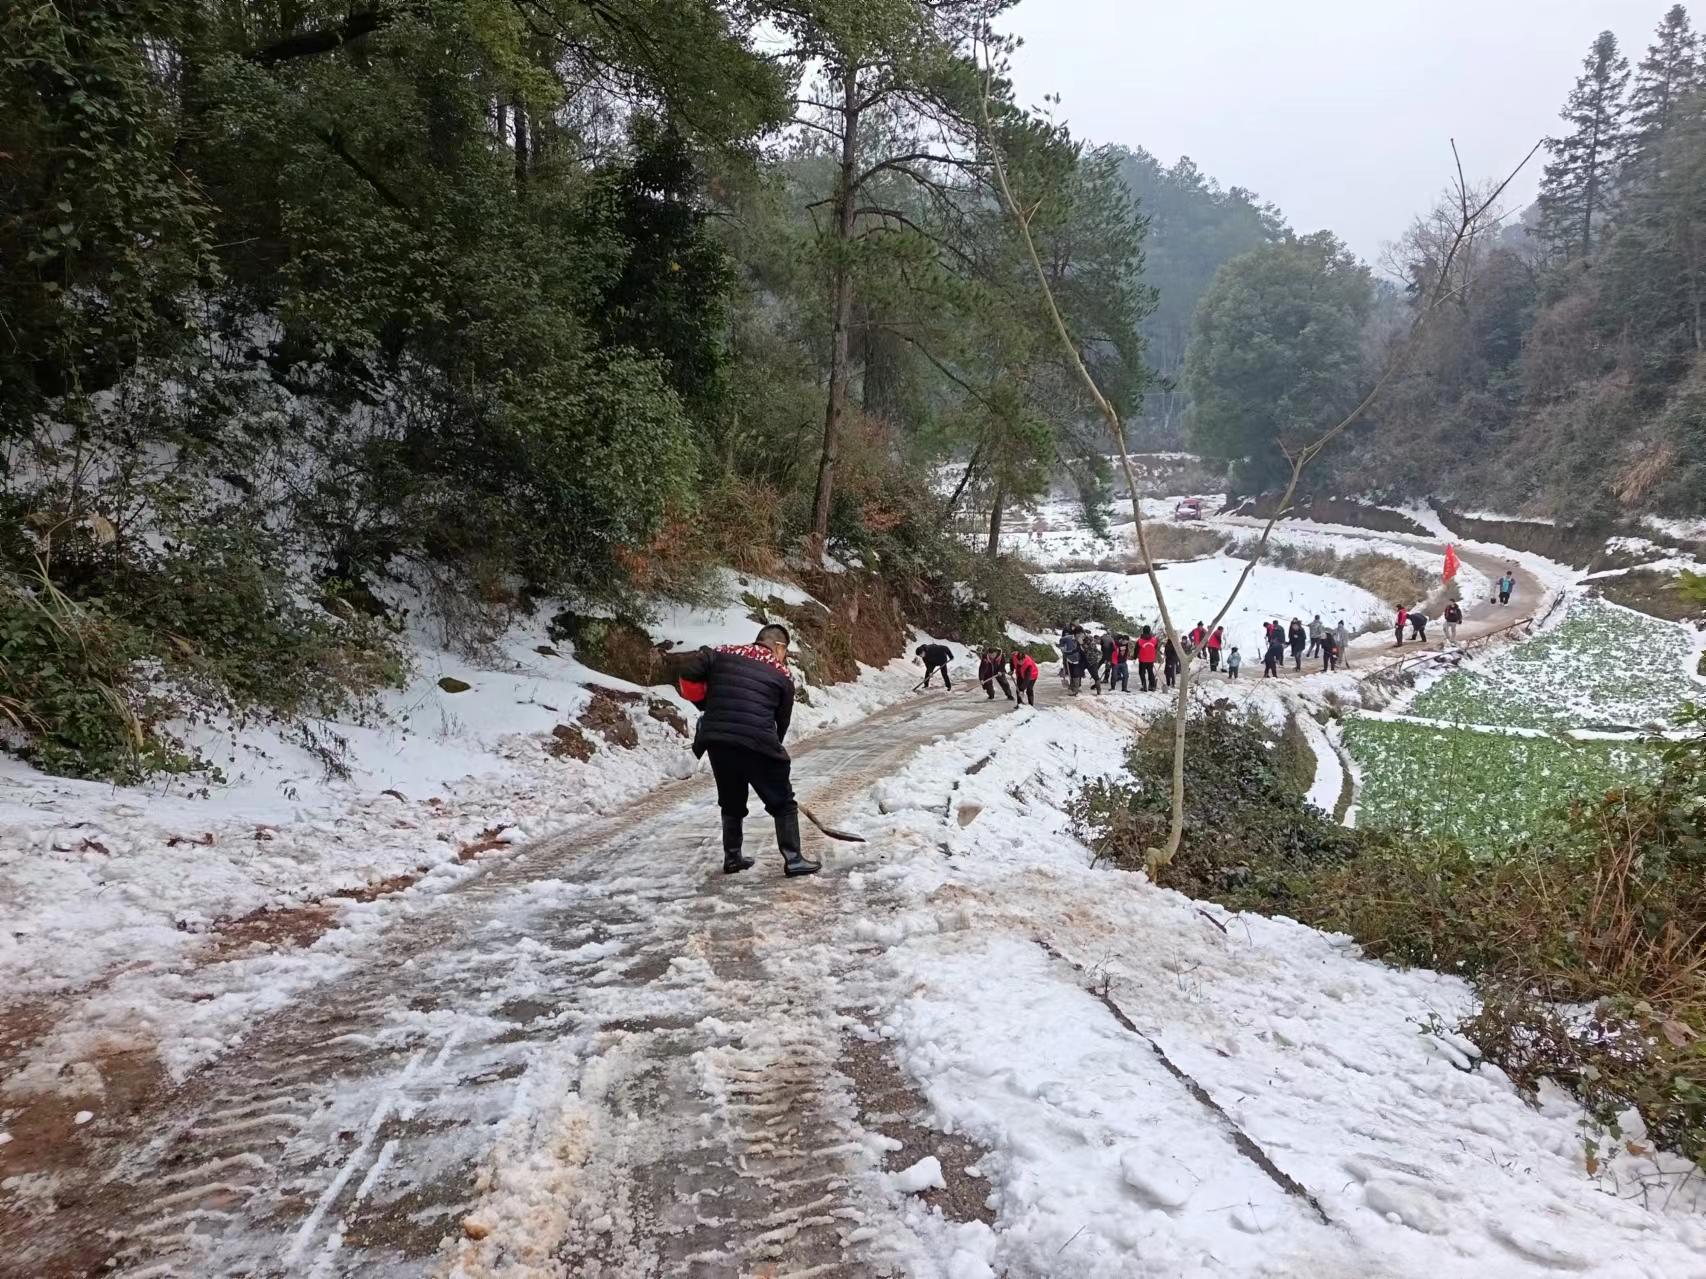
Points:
(832, 832)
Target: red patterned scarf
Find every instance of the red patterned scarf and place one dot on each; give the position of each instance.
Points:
(759, 653)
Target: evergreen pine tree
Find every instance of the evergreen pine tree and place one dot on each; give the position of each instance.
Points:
(1578, 180)
(1666, 76)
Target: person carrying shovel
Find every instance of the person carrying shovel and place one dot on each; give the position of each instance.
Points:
(746, 694)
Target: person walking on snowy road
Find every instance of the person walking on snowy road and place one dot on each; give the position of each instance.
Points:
(1507, 586)
(1233, 662)
(1342, 643)
(1146, 650)
(1325, 644)
(1316, 631)
(1170, 664)
(1024, 679)
(1216, 642)
(1275, 652)
(1087, 655)
(1107, 646)
(1398, 626)
(992, 670)
(1453, 618)
(1298, 637)
(935, 658)
(1119, 666)
(747, 703)
(1069, 659)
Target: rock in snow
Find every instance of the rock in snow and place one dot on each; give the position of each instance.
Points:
(926, 1174)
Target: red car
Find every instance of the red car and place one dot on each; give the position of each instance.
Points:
(1189, 509)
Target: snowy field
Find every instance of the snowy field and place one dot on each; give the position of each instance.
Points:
(1601, 666)
(1056, 536)
(1482, 754)
(1195, 592)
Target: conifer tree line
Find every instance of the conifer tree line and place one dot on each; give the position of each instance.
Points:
(1564, 379)
(1620, 123)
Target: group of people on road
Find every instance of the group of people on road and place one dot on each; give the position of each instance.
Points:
(746, 695)
(1106, 659)
(993, 668)
(1330, 643)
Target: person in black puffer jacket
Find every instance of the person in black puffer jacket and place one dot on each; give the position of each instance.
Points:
(935, 658)
(748, 703)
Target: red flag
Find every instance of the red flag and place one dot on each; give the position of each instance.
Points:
(1450, 562)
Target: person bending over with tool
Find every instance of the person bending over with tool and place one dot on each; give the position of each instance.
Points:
(746, 695)
(935, 658)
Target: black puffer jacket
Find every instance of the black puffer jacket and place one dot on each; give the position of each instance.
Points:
(937, 655)
(749, 700)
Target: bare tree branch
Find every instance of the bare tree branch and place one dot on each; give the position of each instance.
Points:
(1156, 858)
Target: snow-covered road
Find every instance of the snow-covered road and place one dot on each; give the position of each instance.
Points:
(599, 1056)
(961, 1052)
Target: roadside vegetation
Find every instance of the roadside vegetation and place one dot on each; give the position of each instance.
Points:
(1586, 944)
(467, 320)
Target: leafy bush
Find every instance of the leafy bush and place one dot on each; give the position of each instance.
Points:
(1248, 832)
(105, 641)
(66, 690)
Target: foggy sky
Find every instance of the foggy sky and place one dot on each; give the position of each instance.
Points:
(1339, 111)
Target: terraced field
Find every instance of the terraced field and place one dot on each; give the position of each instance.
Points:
(1483, 788)
(1602, 668)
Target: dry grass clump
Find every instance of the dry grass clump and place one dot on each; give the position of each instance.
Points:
(1393, 580)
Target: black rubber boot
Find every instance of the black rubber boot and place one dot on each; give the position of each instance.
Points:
(732, 860)
(788, 840)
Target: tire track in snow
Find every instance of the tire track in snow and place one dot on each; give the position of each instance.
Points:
(641, 1030)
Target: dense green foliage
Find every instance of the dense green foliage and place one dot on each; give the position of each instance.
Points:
(1275, 355)
(1580, 177)
(1248, 832)
(1195, 228)
(468, 305)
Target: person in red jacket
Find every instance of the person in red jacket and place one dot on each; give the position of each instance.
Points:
(1147, 647)
(1199, 635)
(1215, 642)
(1398, 629)
(1024, 680)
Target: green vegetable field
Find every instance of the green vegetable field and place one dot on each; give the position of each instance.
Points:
(1483, 788)
(1602, 667)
